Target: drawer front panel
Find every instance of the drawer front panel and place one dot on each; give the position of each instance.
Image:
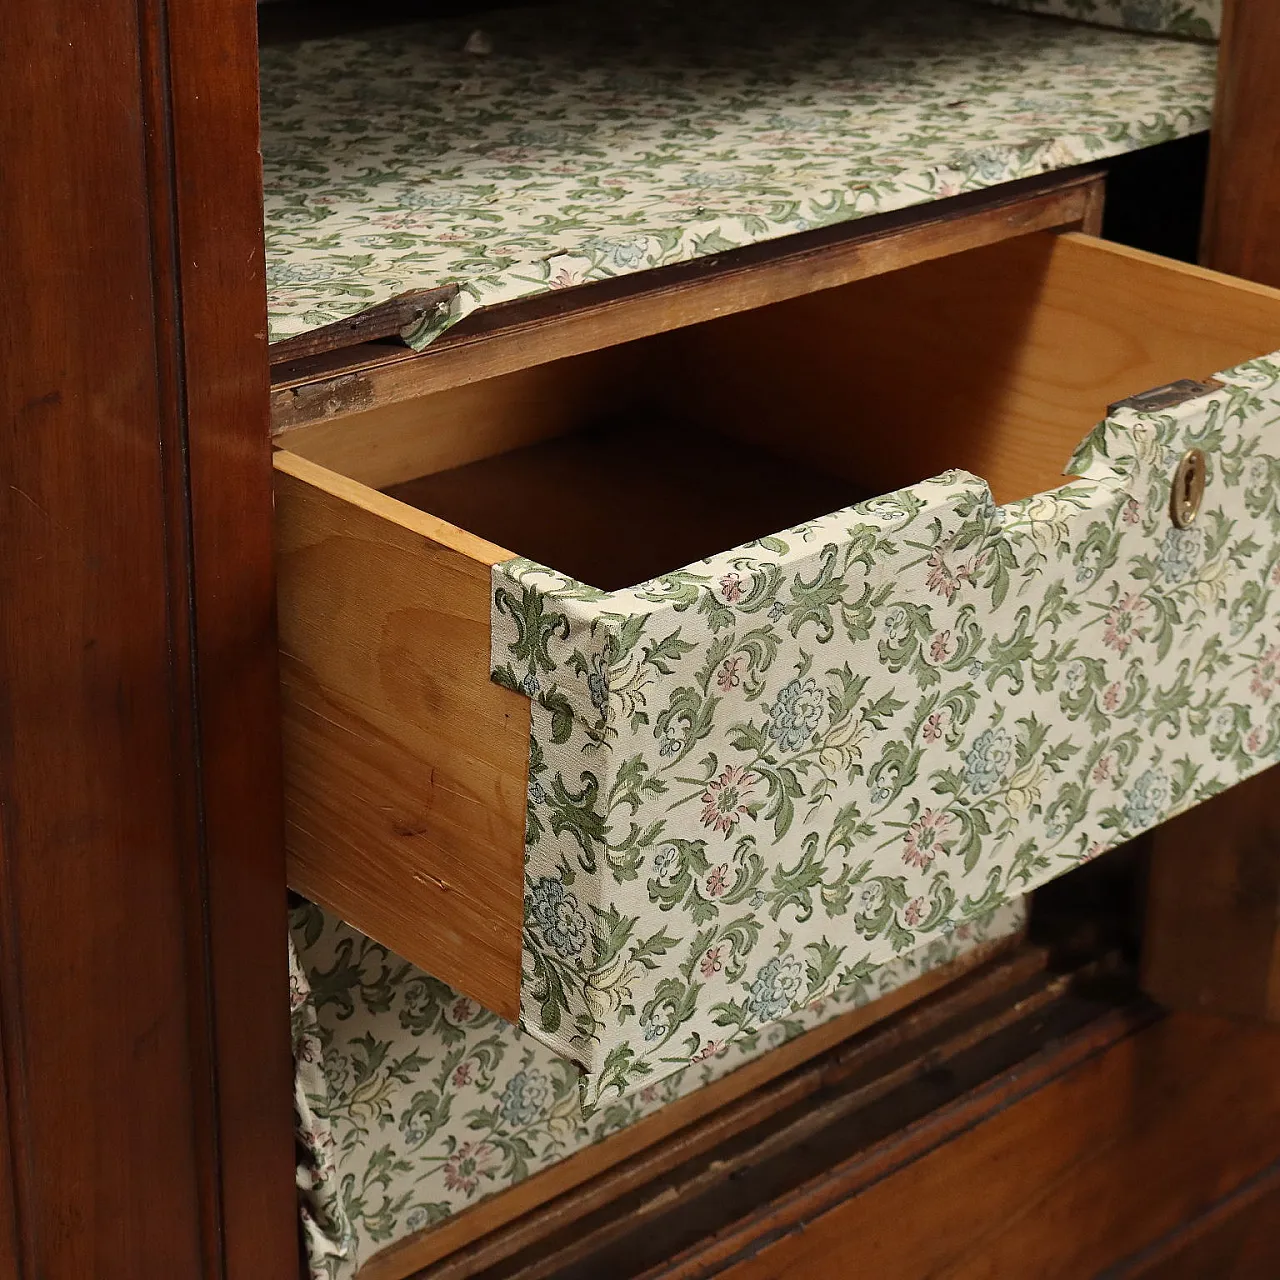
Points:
(753, 778)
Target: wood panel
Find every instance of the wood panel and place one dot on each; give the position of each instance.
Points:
(1062, 1182)
(504, 339)
(1238, 1238)
(1241, 232)
(539, 1207)
(142, 984)
(1094, 1137)
(1212, 931)
(407, 439)
(218, 459)
(999, 360)
(405, 792)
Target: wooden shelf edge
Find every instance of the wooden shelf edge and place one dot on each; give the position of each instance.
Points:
(551, 327)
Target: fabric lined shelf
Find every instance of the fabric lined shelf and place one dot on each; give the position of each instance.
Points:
(577, 151)
(413, 1103)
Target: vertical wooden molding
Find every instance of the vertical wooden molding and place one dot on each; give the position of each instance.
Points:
(216, 174)
(1212, 934)
(143, 978)
(1241, 232)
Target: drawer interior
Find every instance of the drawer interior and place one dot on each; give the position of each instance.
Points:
(620, 464)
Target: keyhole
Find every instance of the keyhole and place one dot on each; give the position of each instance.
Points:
(1188, 489)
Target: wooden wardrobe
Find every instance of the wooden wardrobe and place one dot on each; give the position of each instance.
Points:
(145, 1063)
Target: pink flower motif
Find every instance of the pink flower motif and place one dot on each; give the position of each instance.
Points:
(1094, 850)
(1253, 743)
(566, 279)
(942, 578)
(708, 1050)
(471, 1162)
(730, 676)
(1102, 770)
(731, 587)
(717, 880)
(931, 730)
(1275, 575)
(727, 799)
(1111, 695)
(913, 913)
(926, 837)
(1266, 674)
(649, 1094)
(463, 1009)
(462, 1074)
(942, 646)
(1132, 512)
(1123, 624)
(712, 962)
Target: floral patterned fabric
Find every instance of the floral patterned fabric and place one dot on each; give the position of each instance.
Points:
(751, 777)
(414, 1103)
(1198, 19)
(581, 150)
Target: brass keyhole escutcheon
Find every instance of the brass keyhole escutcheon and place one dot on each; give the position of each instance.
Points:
(1188, 489)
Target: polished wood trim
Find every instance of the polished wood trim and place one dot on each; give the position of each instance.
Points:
(142, 974)
(514, 336)
(1241, 232)
(498, 1227)
(224, 458)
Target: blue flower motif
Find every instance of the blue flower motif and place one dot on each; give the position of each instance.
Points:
(619, 252)
(1179, 552)
(525, 1098)
(537, 793)
(776, 988)
(667, 864)
(530, 686)
(795, 715)
(598, 685)
(776, 610)
(655, 1025)
(1147, 800)
(988, 760)
(670, 745)
(554, 912)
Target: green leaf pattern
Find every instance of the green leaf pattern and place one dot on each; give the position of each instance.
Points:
(754, 775)
(413, 1102)
(585, 149)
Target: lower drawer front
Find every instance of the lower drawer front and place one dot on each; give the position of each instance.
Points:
(734, 786)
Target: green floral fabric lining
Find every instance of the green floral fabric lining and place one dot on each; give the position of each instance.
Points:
(413, 1102)
(581, 150)
(1196, 19)
(753, 777)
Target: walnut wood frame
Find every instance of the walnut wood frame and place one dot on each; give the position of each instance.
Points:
(144, 1073)
(143, 976)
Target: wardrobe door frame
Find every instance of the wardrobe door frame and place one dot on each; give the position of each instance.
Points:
(146, 1070)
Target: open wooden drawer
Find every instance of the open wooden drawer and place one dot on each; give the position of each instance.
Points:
(644, 817)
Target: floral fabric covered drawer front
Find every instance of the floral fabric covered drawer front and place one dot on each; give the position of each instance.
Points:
(814, 751)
